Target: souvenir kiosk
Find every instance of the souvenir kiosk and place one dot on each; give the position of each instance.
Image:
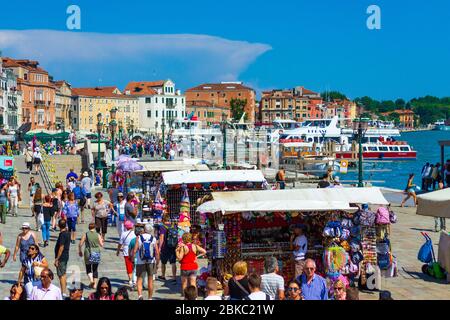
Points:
(251, 225)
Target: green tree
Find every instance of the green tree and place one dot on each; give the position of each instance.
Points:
(400, 103)
(331, 95)
(237, 108)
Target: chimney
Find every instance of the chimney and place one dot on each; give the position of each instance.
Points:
(178, 92)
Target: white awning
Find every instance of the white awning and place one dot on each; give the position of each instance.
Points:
(180, 177)
(293, 200)
(273, 205)
(434, 204)
(162, 166)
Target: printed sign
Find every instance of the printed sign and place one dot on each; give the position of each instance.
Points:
(343, 166)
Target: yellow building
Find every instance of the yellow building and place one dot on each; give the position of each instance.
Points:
(88, 102)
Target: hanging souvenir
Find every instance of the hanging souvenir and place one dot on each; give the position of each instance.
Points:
(185, 218)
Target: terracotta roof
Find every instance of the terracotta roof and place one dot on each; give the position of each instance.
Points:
(60, 83)
(143, 88)
(106, 92)
(30, 65)
(219, 87)
(404, 111)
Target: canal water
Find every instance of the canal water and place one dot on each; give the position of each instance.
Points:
(395, 173)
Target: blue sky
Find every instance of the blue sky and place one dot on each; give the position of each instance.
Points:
(321, 44)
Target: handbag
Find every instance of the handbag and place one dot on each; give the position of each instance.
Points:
(94, 257)
(41, 216)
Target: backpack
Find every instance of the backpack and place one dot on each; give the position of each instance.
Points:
(367, 218)
(145, 252)
(78, 192)
(384, 256)
(382, 216)
(392, 216)
(172, 238)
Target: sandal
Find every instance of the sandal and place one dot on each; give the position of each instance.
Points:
(162, 278)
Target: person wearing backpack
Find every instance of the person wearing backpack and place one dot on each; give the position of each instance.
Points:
(123, 247)
(254, 283)
(146, 251)
(168, 242)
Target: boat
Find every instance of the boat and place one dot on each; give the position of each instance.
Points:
(319, 165)
(383, 150)
(442, 125)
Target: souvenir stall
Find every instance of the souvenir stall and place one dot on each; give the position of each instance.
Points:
(197, 185)
(251, 225)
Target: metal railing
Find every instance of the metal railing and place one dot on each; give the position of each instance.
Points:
(44, 174)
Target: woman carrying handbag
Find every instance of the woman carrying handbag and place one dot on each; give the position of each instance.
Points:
(93, 242)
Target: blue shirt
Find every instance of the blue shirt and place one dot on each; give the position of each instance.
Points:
(72, 174)
(316, 290)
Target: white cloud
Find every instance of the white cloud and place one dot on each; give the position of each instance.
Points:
(194, 57)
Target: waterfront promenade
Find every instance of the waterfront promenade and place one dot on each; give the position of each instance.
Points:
(406, 241)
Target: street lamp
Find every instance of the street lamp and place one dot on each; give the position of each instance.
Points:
(112, 128)
(224, 132)
(99, 131)
(120, 130)
(359, 129)
(163, 126)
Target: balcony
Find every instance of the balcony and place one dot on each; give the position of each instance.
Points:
(39, 103)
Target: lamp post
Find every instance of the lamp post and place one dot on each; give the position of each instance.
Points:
(120, 130)
(99, 131)
(359, 129)
(224, 132)
(163, 126)
(112, 128)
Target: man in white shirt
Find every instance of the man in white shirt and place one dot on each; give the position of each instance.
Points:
(299, 245)
(211, 289)
(46, 290)
(272, 283)
(254, 283)
(145, 265)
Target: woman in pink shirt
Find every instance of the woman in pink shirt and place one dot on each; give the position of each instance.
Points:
(104, 291)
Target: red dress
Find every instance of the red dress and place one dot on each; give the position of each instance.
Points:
(188, 261)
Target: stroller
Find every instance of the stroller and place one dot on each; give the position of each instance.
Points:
(427, 256)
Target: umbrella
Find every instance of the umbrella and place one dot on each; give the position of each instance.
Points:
(130, 166)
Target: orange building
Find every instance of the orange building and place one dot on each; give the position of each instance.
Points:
(296, 104)
(406, 117)
(38, 93)
(220, 94)
(206, 112)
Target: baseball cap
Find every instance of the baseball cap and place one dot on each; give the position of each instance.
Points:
(120, 194)
(25, 225)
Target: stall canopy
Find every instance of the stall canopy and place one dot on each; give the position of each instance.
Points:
(180, 177)
(434, 204)
(292, 200)
(162, 166)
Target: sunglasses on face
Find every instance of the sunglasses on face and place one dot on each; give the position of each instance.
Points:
(293, 289)
(338, 288)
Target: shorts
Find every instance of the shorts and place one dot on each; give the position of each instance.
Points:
(101, 224)
(189, 273)
(148, 268)
(128, 264)
(89, 195)
(61, 269)
(37, 161)
(168, 255)
(72, 224)
(81, 203)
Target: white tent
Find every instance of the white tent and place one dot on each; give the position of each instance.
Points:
(180, 177)
(162, 166)
(434, 204)
(292, 200)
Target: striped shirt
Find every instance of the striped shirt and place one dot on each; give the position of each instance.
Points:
(271, 283)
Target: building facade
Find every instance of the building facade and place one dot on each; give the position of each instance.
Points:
(88, 102)
(159, 102)
(63, 106)
(297, 104)
(406, 118)
(10, 100)
(220, 94)
(206, 112)
(38, 93)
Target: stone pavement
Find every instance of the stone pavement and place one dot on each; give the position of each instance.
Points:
(406, 241)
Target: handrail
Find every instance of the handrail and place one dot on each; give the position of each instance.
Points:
(44, 174)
